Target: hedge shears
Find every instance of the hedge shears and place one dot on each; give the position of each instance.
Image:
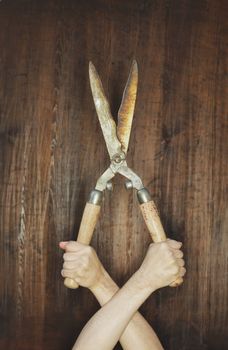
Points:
(117, 140)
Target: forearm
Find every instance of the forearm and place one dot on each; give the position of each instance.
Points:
(106, 326)
(162, 266)
(138, 334)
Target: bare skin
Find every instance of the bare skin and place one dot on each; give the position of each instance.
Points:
(118, 317)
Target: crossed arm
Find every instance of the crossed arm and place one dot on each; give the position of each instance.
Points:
(118, 317)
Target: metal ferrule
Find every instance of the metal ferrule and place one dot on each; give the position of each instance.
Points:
(143, 196)
(95, 197)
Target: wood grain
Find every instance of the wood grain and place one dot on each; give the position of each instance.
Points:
(153, 223)
(88, 223)
(52, 151)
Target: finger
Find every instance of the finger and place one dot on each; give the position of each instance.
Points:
(62, 244)
(70, 265)
(68, 273)
(174, 244)
(74, 255)
(182, 272)
(181, 262)
(71, 256)
(177, 253)
(72, 273)
(71, 246)
(179, 280)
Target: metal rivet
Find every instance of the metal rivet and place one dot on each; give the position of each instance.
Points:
(109, 186)
(128, 184)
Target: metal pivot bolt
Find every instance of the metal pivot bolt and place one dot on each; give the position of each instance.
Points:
(128, 184)
(109, 186)
(118, 157)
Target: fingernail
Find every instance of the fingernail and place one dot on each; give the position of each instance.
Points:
(62, 244)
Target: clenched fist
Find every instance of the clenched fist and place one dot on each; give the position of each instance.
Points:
(163, 264)
(81, 264)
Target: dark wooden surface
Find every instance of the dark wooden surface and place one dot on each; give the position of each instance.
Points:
(52, 152)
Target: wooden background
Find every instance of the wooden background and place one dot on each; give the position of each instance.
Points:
(52, 152)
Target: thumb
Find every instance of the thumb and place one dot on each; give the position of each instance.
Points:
(63, 245)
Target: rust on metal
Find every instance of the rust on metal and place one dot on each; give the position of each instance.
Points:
(126, 110)
(107, 123)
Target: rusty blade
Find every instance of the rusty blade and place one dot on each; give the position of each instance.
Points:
(107, 123)
(126, 111)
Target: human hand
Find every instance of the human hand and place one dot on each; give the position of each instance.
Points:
(81, 263)
(162, 265)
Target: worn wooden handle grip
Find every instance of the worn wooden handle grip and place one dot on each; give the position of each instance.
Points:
(154, 225)
(87, 226)
(153, 222)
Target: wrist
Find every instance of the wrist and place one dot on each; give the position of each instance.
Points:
(144, 281)
(105, 288)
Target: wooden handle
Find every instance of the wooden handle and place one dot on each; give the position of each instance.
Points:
(87, 226)
(153, 222)
(154, 225)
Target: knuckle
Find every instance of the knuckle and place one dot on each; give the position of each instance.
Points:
(170, 241)
(68, 256)
(89, 250)
(181, 254)
(183, 271)
(178, 282)
(181, 262)
(67, 265)
(176, 242)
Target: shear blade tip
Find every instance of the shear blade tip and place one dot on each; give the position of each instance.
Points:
(135, 64)
(91, 66)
